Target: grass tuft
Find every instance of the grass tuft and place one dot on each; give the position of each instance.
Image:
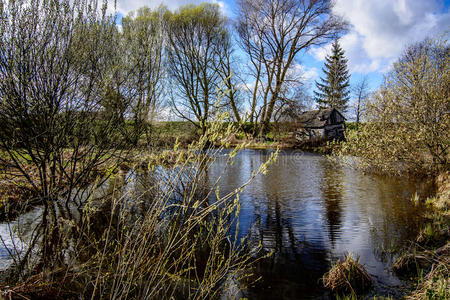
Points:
(347, 276)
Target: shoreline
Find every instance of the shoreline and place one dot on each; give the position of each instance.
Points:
(409, 291)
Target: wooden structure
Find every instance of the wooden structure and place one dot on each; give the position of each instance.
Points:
(320, 124)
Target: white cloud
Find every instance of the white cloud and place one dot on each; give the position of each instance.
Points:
(310, 74)
(125, 6)
(223, 6)
(380, 29)
(302, 73)
(321, 52)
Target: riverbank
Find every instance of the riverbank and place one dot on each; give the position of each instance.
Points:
(166, 134)
(14, 188)
(320, 146)
(313, 200)
(19, 195)
(428, 259)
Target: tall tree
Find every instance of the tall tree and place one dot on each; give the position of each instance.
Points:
(57, 60)
(196, 38)
(361, 92)
(143, 63)
(333, 89)
(273, 33)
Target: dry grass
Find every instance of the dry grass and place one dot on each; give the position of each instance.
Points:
(37, 288)
(436, 284)
(432, 261)
(347, 276)
(442, 203)
(15, 193)
(411, 263)
(168, 239)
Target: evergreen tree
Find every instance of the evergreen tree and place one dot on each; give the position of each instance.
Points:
(333, 90)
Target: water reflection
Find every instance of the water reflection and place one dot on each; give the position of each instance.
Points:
(332, 189)
(309, 212)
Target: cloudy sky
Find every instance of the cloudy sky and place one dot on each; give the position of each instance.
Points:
(380, 29)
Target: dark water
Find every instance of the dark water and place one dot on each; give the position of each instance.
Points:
(310, 212)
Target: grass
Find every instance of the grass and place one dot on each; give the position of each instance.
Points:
(347, 297)
(166, 134)
(429, 258)
(347, 276)
(435, 285)
(168, 239)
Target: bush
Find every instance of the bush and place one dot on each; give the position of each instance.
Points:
(165, 234)
(407, 124)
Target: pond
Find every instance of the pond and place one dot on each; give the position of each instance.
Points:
(310, 211)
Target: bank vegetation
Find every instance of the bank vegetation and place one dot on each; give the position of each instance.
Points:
(111, 220)
(407, 132)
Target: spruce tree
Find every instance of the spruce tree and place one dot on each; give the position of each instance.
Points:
(333, 89)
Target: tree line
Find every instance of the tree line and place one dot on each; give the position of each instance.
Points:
(189, 58)
(200, 67)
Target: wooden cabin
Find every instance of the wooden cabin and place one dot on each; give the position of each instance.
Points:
(319, 124)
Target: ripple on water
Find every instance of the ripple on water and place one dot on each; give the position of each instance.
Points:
(10, 242)
(311, 211)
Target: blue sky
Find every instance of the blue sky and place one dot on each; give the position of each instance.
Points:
(379, 31)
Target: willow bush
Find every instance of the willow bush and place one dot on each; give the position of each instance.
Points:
(57, 59)
(407, 122)
(159, 233)
(181, 246)
(65, 103)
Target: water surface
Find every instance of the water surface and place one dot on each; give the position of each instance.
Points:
(310, 211)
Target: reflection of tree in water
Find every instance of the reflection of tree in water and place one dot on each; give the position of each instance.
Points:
(295, 266)
(332, 189)
(179, 188)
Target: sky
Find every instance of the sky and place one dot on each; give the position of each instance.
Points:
(379, 31)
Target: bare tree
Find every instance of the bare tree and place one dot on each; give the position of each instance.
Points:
(195, 44)
(57, 63)
(143, 70)
(288, 109)
(361, 92)
(273, 33)
(227, 70)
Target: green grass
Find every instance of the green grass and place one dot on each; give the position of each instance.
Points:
(175, 128)
(350, 125)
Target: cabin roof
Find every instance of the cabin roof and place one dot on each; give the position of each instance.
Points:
(316, 118)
